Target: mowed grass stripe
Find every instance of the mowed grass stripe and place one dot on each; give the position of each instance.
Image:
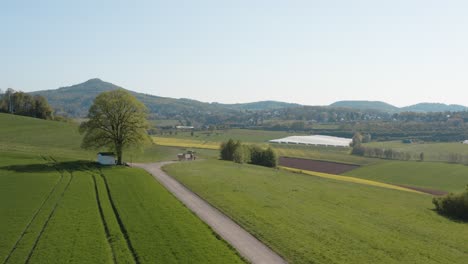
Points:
(48, 219)
(122, 229)
(120, 251)
(75, 232)
(160, 228)
(350, 179)
(41, 207)
(28, 242)
(432, 175)
(29, 190)
(103, 220)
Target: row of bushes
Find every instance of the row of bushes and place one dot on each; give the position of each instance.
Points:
(453, 205)
(391, 154)
(241, 153)
(386, 153)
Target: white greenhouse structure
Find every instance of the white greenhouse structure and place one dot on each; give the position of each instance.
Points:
(315, 140)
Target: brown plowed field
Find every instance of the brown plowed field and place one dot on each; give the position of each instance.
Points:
(316, 165)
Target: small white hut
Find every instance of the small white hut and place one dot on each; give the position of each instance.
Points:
(465, 142)
(106, 158)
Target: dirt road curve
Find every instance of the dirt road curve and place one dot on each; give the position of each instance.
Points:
(247, 245)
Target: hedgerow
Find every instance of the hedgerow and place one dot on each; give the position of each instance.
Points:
(453, 205)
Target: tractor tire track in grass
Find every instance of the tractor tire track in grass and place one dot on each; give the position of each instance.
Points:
(123, 230)
(48, 219)
(121, 252)
(103, 220)
(41, 207)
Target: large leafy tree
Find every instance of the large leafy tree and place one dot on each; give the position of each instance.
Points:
(117, 120)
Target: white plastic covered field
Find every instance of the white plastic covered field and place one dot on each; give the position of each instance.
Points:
(316, 140)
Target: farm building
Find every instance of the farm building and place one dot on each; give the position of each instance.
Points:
(315, 140)
(189, 155)
(106, 158)
(465, 142)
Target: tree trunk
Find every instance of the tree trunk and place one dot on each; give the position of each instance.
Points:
(119, 155)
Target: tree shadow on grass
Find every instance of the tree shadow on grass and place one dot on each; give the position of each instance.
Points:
(456, 219)
(66, 166)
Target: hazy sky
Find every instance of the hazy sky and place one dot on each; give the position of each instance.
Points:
(309, 52)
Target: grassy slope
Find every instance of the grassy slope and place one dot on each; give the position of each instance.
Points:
(309, 219)
(161, 229)
(28, 192)
(350, 179)
(439, 176)
(75, 232)
(31, 135)
(120, 249)
(49, 138)
(322, 153)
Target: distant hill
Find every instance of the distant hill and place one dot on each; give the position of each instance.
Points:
(366, 105)
(75, 100)
(434, 107)
(388, 108)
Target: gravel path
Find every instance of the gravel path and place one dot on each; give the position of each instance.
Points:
(247, 245)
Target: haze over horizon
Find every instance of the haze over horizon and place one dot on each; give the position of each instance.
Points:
(312, 53)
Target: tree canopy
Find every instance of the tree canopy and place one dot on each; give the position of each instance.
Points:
(117, 121)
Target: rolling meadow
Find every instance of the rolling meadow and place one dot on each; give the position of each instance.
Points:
(69, 209)
(58, 206)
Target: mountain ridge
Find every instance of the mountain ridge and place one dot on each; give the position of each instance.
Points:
(75, 100)
(424, 107)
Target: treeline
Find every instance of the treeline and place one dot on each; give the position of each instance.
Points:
(443, 131)
(381, 153)
(241, 153)
(19, 103)
(305, 118)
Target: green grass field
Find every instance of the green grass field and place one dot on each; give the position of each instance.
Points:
(315, 220)
(321, 153)
(27, 135)
(74, 232)
(208, 140)
(244, 135)
(57, 207)
(433, 175)
(161, 229)
(76, 218)
(432, 151)
(64, 209)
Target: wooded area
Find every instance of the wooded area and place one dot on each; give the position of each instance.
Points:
(20, 103)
